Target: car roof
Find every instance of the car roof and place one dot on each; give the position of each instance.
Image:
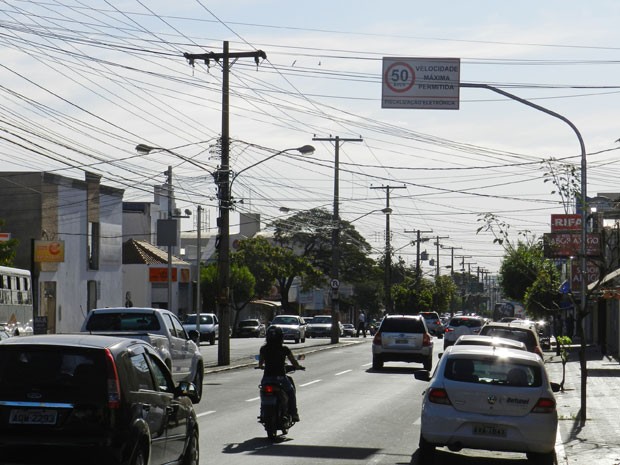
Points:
(512, 325)
(73, 340)
(486, 351)
(490, 340)
(129, 310)
(415, 317)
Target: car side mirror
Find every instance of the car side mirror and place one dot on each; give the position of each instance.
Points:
(185, 388)
(422, 375)
(555, 387)
(194, 335)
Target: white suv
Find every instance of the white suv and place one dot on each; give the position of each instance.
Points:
(489, 398)
(402, 338)
(459, 326)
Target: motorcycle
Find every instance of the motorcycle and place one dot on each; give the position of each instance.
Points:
(274, 412)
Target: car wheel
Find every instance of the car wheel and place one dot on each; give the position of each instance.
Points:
(296, 340)
(542, 459)
(192, 451)
(428, 363)
(377, 363)
(426, 452)
(198, 383)
(212, 339)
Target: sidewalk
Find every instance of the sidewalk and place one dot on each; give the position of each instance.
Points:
(598, 441)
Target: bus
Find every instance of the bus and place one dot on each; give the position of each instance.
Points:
(16, 308)
(508, 310)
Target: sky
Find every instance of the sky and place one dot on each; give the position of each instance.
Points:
(83, 82)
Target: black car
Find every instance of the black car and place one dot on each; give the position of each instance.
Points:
(88, 399)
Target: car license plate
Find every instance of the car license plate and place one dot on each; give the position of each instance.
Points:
(490, 430)
(33, 417)
(401, 341)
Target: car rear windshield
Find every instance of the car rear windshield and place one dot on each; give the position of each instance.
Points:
(429, 316)
(122, 322)
(402, 325)
(499, 371)
(467, 322)
(321, 319)
(79, 373)
(248, 323)
(515, 334)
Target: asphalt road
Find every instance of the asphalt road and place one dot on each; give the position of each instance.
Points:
(350, 414)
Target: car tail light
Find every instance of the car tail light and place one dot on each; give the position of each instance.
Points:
(426, 340)
(377, 339)
(439, 396)
(114, 385)
(449, 330)
(544, 405)
(538, 351)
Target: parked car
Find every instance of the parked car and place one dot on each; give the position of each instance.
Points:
(460, 325)
(514, 330)
(293, 327)
(251, 328)
(433, 323)
(481, 398)
(493, 341)
(321, 326)
(402, 338)
(349, 330)
(159, 327)
(208, 323)
(81, 398)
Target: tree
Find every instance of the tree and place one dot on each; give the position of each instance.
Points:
(8, 250)
(272, 264)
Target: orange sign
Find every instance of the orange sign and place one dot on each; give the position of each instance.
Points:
(160, 275)
(5, 237)
(49, 251)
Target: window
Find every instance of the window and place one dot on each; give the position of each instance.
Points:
(493, 371)
(163, 382)
(142, 372)
(93, 245)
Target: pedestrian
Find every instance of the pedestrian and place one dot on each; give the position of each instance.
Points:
(570, 325)
(361, 324)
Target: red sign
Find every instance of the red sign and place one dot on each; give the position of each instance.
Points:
(558, 245)
(560, 223)
(160, 275)
(592, 274)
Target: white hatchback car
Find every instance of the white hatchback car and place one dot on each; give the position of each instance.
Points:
(489, 398)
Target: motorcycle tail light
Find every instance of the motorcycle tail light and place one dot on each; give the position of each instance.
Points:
(269, 389)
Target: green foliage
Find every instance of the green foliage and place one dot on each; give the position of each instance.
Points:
(8, 250)
(566, 181)
(411, 297)
(241, 281)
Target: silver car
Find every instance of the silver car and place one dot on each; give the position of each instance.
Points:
(402, 338)
(293, 327)
(489, 398)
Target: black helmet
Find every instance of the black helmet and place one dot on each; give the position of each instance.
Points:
(274, 335)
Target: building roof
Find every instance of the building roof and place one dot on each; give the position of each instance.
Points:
(144, 253)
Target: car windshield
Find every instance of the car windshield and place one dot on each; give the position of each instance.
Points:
(248, 323)
(285, 320)
(122, 322)
(321, 319)
(204, 320)
(402, 325)
(500, 371)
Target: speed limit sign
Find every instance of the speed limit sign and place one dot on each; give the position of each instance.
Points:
(399, 77)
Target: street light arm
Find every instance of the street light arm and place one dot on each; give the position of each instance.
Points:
(304, 150)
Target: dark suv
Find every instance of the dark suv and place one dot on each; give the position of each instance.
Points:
(402, 338)
(77, 399)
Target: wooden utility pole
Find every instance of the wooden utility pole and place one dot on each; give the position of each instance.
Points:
(222, 179)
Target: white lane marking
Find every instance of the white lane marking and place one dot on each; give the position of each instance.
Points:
(560, 453)
(252, 399)
(418, 421)
(311, 382)
(205, 413)
(343, 372)
(367, 364)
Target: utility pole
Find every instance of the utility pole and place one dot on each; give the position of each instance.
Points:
(198, 257)
(223, 182)
(463, 257)
(335, 282)
(452, 258)
(170, 194)
(418, 270)
(388, 251)
(437, 244)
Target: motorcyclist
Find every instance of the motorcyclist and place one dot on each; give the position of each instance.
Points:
(272, 358)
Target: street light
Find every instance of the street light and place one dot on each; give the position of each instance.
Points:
(223, 264)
